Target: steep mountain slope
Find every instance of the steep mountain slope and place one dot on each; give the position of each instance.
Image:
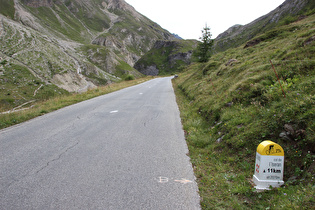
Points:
(287, 12)
(110, 23)
(69, 45)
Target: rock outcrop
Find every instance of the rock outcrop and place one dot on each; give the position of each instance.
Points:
(166, 57)
(147, 69)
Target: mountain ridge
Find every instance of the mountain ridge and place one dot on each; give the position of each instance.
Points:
(239, 34)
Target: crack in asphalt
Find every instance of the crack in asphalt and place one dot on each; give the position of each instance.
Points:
(53, 160)
(49, 162)
(14, 180)
(151, 119)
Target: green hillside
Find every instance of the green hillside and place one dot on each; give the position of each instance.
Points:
(75, 25)
(234, 102)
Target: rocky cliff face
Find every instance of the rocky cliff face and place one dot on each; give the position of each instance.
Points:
(238, 34)
(166, 57)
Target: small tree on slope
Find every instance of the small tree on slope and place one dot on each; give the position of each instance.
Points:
(203, 51)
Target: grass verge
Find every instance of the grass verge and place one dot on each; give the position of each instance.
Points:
(235, 101)
(224, 174)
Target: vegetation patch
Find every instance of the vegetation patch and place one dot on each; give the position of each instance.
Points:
(7, 8)
(23, 87)
(124, 70)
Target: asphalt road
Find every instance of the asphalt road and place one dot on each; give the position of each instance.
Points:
(124, 150)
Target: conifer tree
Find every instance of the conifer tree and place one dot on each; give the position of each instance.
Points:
(203, 51)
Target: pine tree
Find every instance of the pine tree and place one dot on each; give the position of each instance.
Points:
(203, 51)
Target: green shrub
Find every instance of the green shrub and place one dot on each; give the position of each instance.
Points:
(129, 77)
(3, 62)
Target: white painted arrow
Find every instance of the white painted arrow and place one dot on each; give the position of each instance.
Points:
(183, 181)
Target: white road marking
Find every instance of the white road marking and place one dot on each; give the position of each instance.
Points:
(183, 181)
(162, 179)
(115, 111)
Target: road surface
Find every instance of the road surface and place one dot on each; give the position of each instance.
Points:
(124, 150)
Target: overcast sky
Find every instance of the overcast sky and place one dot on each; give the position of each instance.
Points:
(188, 17)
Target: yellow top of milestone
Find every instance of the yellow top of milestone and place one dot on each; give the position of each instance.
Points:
(270, 148)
